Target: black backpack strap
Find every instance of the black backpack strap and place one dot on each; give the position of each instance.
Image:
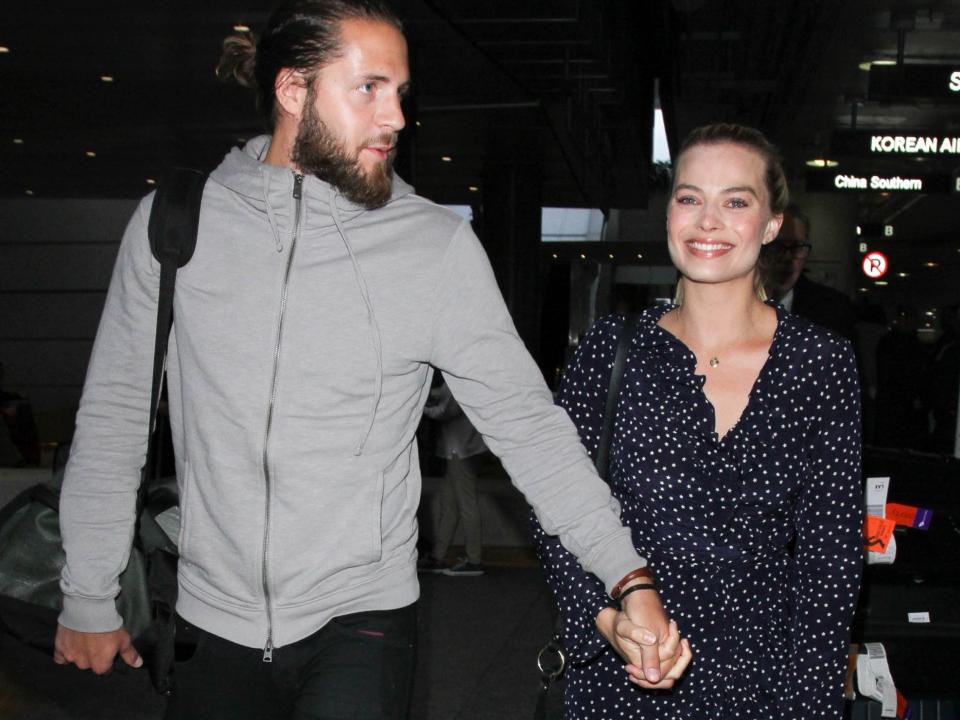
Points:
(174, 220)
(613, 394)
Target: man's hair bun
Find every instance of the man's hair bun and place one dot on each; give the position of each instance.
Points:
(238, 59)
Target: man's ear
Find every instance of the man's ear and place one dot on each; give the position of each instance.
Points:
(290, 88)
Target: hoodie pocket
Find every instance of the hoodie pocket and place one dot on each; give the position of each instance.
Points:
(324, 528)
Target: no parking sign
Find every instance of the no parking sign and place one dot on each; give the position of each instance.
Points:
(875, 264)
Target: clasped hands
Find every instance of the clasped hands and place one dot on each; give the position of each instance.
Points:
(650, 644)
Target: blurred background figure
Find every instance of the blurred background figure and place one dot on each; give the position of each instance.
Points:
(943, 383)
(901, 362)
(871, 327)
(19, 439)
(783, 263)
(462, 448)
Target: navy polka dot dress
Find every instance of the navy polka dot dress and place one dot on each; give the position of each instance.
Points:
(754, 539)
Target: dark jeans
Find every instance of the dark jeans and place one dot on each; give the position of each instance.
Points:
(358, 666)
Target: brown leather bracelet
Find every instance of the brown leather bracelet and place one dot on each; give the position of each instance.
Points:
(634, 588)
(643, 572)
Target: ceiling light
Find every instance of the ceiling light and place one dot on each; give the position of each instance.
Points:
(821, 163)
(91, 153)
(151, 181)
(582, 256)
(930, 313)
(18, 141)
(639, 256)
(418, 123)
(903, 275)
(473, 188)
(4, 49)
(930, 264)
(107, 78)
(29, 192)
(865, 66)
(240, 27)
(881, 283)
(610, 256)
(864, 289)
(554, 256)
(447, 158)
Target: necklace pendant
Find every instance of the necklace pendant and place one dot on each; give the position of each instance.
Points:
(714, 361)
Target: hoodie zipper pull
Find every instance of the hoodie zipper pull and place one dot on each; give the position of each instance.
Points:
(297, 195)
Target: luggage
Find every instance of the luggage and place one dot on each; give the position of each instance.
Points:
(31, 558)
(920, 709)
(912, 606)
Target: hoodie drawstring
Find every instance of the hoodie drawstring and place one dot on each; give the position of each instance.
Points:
(371, 318)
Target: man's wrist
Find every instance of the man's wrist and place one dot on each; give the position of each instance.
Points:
(641, 574)
(89, 615)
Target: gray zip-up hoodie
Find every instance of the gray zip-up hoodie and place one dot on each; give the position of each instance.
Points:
(305, 327)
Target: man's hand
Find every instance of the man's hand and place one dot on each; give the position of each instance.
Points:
(94, 651)
(656, 656)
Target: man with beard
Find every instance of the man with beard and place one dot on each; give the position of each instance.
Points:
(784, 259)
(321, 294)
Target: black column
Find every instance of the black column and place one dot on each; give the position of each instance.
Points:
(510, 231)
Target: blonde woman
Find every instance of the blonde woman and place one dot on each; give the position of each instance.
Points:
(736, 460)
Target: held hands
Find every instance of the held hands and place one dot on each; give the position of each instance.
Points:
(656, 656)
(94, 651)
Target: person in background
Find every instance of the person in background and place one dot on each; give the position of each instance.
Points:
(736, 460)
(902, 367)
(462, 448)
(21, 438)
(788, 284)
(871, 327)
(943, 383)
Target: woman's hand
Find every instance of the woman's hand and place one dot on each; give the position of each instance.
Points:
(650, 644)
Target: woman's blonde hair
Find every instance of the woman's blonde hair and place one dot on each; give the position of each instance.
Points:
(774, 177)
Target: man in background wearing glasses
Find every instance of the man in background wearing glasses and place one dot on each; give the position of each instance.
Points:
(788, 285)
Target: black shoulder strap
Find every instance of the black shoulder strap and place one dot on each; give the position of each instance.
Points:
(613, 394)
(174, 219)
(175, 215)
(549, 675)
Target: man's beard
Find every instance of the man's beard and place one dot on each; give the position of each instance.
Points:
(317, 151)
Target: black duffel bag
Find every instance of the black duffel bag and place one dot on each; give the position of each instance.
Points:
(31, 559)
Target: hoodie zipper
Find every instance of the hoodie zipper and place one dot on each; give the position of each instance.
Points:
(298, 198)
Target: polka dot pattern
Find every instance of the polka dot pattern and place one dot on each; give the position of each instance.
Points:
(754, 539)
